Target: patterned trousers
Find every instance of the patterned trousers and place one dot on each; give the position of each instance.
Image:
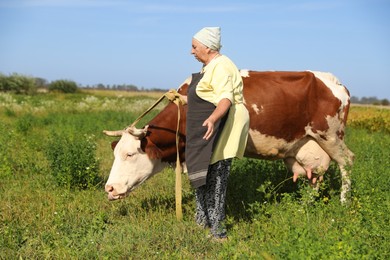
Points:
(211, 198)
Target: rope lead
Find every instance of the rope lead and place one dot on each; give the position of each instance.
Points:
(173, 96)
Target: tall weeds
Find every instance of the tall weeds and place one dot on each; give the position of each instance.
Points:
(52, 139)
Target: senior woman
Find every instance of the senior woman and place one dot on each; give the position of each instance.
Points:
(217, 128)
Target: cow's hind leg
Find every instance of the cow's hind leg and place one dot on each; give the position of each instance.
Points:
(345, 164)
(335, 147)
(345, 183)
(340, 153)
(345, 160)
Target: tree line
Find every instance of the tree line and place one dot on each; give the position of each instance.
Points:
(370, 101)
(21, 84)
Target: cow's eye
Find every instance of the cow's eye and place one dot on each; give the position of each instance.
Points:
(130, 155)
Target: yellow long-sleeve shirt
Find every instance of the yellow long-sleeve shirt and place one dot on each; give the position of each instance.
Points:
(222, 79)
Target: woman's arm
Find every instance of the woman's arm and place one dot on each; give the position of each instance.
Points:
(221, 109)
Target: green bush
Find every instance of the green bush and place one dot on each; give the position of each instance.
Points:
(18, 84)
(25, 122)
(64, 86)
(72, 161)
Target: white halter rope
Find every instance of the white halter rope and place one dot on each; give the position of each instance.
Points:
(174, 97)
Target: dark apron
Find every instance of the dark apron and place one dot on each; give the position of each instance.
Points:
(199, 150)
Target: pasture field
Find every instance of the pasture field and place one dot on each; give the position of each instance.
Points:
(54, 161)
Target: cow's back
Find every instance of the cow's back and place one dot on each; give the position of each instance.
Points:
(282, 104)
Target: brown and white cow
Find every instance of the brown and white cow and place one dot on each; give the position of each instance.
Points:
(299, 117)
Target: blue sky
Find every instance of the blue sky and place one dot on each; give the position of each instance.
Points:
(148, 43)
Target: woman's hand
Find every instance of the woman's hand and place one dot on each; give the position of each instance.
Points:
(221, 109)
(173, 94)
(183, 99)
(209, 123)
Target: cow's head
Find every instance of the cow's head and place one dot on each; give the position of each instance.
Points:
(132, 166)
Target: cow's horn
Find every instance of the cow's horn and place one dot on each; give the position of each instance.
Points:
(114, 133)
(140, 133)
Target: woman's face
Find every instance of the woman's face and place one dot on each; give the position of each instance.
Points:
(200, 51)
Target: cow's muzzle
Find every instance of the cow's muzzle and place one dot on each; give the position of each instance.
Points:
(113, 193)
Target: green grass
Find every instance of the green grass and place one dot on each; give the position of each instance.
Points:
(268, 216)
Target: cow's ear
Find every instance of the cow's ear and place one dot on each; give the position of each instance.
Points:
(113, 144)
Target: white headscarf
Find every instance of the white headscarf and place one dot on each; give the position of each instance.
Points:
(210, 37)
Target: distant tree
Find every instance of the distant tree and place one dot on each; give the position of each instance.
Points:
(17, 83)
(131, 88)
(158, 90)
(41, 83)
(65, 86)
(100, 86)
(385, 102)
(355, 100)
(369, 100)
(3, 82)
